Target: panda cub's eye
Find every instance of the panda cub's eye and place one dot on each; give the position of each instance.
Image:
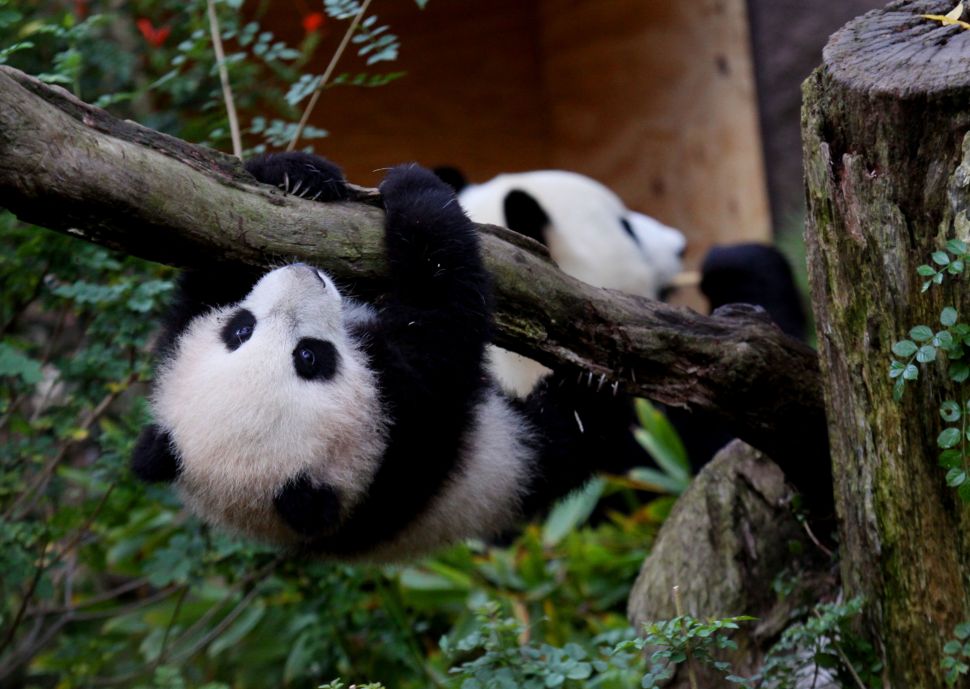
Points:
(315, 359)
(239, 329)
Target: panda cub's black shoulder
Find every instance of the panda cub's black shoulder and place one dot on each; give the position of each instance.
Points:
(288, 412)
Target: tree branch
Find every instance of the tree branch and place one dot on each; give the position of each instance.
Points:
(72, 167)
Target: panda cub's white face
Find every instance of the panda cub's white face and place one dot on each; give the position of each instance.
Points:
(258, 392)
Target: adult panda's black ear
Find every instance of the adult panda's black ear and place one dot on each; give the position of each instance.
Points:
(302, 174)
(524, 215)
(154, 460)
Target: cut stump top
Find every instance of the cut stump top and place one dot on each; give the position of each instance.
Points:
(897, 52)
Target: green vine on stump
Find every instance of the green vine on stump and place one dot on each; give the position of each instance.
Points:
(924, 346)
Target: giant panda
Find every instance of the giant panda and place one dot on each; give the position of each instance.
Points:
(589, 232)
(291, 413)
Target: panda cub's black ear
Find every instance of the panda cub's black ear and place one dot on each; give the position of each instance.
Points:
(524, 215)
(302, 174)
(153, 460)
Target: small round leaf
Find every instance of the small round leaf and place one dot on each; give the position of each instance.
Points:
(950, 437)
(921, 333)
(910, 372)
(926, 354)
(948, 316)
(926, 271)
(956, 477)
(905, 348)
(940, 258)
(950, 411)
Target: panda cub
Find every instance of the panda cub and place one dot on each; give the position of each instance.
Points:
(288, 412)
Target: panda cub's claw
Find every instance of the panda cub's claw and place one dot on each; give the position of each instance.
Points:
(302, 174)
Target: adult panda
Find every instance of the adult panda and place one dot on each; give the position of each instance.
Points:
(288, 412)
(589, 232)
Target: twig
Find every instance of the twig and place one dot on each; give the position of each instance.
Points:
(36, 488)
(326, 76)
(28, 594)
(848, 664)
(237, 149)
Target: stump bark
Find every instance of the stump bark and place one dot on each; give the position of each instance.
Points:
(887, 169)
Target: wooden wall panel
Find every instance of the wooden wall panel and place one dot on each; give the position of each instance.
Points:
(656, 99)
(653, 98)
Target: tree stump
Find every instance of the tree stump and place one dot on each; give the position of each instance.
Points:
(887, 170)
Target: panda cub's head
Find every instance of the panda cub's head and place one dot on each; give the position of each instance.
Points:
(590, 234)
(256, 394)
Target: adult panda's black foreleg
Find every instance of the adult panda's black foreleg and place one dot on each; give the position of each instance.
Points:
(578, 431)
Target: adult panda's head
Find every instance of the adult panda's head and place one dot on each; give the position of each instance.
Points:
(589, 232)
(266, 391)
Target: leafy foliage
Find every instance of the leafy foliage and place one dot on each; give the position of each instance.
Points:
(956, 654)
(925, 346)
(686, 640)
(824, 641)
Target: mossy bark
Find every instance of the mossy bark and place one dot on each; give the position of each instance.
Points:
(887, 170)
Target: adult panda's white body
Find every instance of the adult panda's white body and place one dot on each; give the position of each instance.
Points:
(292, 414)
(590, 234)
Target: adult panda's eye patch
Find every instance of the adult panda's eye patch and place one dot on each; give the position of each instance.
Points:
(239, 329)
(315, 359)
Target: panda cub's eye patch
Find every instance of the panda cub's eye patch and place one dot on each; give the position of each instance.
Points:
(315, 359)
(239, 329)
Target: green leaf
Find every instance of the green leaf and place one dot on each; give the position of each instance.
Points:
(962, 631)
(943, 339)
(950, 437)
(14, 363)
(948, 316)
(955, 246)
(921, 333)
(926, 271)
(940, 258)
(955, 268)
(952, 647)
(964, 494)
(910, 372)
(238, 629)
(899, 388)
(950, 411)
(660, 439)
(905, 348)
(950, 458)
(571, 512)
(959, 371)
(956, 477)
(926, 354)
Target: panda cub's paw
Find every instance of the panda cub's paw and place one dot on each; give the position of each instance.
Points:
(426, 229)
(301, 174)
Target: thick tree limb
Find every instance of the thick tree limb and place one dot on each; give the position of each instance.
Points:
(72, 167)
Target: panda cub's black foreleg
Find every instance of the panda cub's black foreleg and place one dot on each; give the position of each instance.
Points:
(436, 322)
